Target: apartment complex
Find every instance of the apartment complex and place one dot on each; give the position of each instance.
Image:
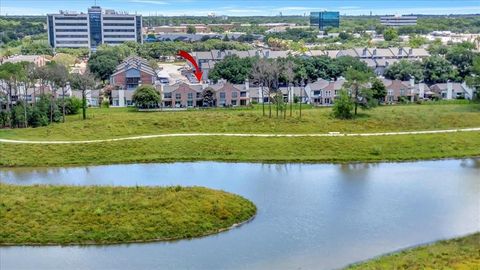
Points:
(398, 20)
(90, 30)
(325, 19)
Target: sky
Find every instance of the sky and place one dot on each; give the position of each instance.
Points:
(244, 7)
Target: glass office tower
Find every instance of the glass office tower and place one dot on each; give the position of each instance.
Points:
(95, 17)
(325, 19)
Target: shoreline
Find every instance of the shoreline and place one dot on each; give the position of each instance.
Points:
(232, 161)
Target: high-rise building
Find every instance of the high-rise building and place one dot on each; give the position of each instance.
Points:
(325, 19)
(397, 21)
(80, 30)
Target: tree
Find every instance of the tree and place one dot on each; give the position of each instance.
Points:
(417, 41)
(233, 69)
(343, 106)
(191, 29)
(473, 80)
(390, 34)
(259, 75)
(461, 55)
(103, 64)
(379, 91)
(438, 70)
(289, 76)
(404, 70)
(59, 77)
(356, 81)
(146, 96)
(84, 83)
(208, 97)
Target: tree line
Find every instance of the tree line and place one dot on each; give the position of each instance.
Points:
(32, 96)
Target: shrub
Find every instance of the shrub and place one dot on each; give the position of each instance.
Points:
(72, 105)
(106, 104)
(146, 96)
(343, 106)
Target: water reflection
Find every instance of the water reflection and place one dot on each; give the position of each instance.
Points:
(310, 216)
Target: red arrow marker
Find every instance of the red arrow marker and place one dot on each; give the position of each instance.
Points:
(198, 73)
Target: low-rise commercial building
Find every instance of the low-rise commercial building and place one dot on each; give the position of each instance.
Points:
(398, 21)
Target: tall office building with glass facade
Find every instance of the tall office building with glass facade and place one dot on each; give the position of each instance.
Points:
(80, 30)
(325, 19)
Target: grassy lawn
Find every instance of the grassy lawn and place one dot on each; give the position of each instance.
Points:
(31, 215)
(461, 253)
(123, 122)
(247, 149)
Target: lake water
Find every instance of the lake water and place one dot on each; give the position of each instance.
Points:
(310, 216)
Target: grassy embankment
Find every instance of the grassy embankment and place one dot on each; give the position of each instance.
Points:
(115, 123)
(41, 215)
(461, 253)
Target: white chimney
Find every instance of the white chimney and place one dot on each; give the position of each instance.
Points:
(421, 90)
(449, 90)
(247, 84)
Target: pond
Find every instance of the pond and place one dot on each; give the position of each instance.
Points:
(310, 216)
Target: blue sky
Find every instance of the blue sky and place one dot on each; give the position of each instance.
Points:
(242, 8)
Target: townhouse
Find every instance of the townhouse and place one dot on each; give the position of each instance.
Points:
(222, 94)
(378, 59)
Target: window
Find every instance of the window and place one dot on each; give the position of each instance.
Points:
(119, 36)
(95, 29)
(119, 18)
(199, 95)
(190, 96)
(234, 94)
(234, 102)
(118, 30)
(178, 96)
(222, 95)
(72, 36)
(390, 92)
(70, 24)
(329, 93)
(71, 30)
(243, 94)
(190, 103)
(167, 95)
(119, 24)
(70, 18)
(72, 41)
(402, 92)
(317, 93)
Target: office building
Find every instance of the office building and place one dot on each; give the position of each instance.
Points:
(80, 30)
(398, 21)
(325, 19)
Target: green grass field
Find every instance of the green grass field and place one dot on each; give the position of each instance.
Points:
(462, 254)
(31, 215)
(123, 122)
(248, 149)
(111, 123)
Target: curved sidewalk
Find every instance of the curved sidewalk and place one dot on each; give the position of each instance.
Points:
(266, 135)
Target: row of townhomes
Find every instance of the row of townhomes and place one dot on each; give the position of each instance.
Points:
(135, 71)
(376, 58)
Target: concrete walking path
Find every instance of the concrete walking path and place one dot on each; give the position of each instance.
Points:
(266, 135)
